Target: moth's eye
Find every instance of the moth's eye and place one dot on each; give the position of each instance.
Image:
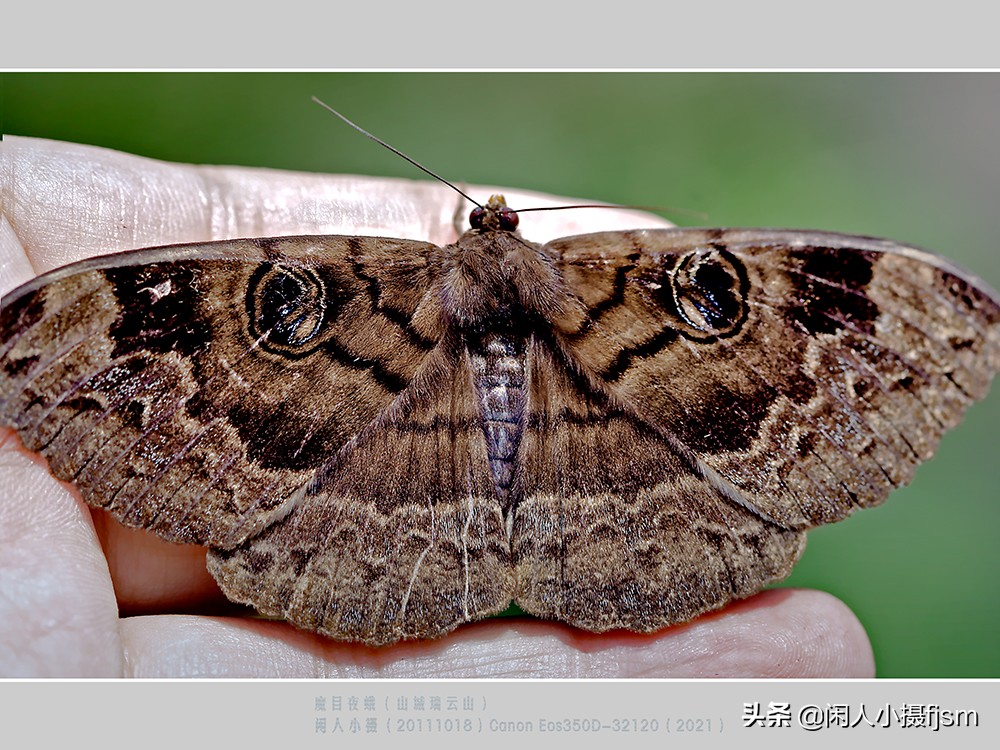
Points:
(710, 293)
(477, 217)
(287, 307)
(508, 219)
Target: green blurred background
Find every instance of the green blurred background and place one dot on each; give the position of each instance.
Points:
(914, 157)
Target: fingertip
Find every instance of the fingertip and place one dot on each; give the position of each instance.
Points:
(782, 633)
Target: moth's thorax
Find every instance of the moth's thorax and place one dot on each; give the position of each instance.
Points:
(491, 274)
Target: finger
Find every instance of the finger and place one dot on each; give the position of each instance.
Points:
(70, 201)
(780, 633)
(58, 616)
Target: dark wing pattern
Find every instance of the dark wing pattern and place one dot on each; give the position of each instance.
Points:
(192, 390)
(724, 391)
(813, 372)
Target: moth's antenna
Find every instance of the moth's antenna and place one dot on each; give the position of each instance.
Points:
(655, 209)
(396, 151)
(465, 195)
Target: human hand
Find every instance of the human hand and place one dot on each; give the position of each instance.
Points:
(83, 596)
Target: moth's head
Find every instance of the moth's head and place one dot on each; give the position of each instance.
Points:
(495, 215)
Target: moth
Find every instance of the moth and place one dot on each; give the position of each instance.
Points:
(381, 439)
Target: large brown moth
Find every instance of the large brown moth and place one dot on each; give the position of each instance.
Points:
(381, 439)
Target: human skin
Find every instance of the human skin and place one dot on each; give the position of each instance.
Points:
(82, 596)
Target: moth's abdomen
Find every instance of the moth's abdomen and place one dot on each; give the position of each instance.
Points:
(498, 366)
